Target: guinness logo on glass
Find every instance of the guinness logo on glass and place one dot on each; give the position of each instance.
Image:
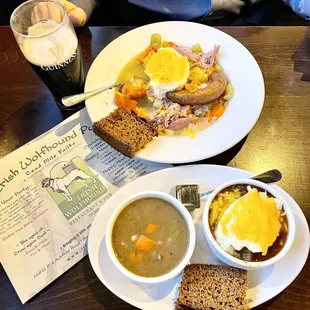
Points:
(61, 65)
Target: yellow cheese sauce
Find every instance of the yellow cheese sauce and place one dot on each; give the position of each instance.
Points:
(250, 217)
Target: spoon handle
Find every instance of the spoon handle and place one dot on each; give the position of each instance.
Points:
(70, 101)
(269, 176)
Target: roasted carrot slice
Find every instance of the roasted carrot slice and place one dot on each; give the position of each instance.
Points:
(151, 228)
(210, 70)
(218, 110)
(172, 44)
(133, 92)
(124, 101)
(145, 243)
(208, 115)
(119, 98)
(145, 53)
(189, 111)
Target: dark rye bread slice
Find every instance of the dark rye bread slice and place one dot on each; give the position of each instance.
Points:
(213, 287)
(180, 307)
(125, 131)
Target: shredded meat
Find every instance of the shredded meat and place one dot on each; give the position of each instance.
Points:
(199, 59)
(208, 59)
(184, 51)
(150, 92)
(182, 123)
(174, 116)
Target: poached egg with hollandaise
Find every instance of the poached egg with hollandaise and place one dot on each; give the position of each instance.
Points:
(167, 70)
(251, 221)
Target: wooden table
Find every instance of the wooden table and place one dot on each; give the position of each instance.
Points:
(280, 139)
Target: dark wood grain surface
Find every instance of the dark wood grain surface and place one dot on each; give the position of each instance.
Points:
(280, 139)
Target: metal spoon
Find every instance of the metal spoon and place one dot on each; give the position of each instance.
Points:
(70, 101)
(270, 176)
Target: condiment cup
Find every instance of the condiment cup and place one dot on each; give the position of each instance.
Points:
(191, 230)
(227, 258)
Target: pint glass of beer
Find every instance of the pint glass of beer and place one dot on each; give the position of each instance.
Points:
(48, 41)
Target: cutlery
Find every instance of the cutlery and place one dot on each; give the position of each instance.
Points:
(269, 176)
(72, 100)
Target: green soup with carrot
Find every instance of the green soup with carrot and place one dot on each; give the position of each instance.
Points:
(150, 237)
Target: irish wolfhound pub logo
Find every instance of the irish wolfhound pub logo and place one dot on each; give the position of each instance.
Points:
(73, 186)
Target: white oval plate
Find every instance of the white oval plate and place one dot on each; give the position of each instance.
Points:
(240, 66)
(263, 284)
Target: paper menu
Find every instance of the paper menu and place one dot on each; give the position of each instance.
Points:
(50, 191)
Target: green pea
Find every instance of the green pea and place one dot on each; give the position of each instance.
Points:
(156, 39)
(218, 67)
(196, 48)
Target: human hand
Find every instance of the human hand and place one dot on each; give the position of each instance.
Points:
(49, 10)
(227, 5)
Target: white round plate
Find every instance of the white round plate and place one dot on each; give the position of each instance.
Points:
(239, 65)
(263, 284)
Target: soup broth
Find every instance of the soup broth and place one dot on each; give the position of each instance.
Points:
(227, 196)
(132, 68)
(163, 231)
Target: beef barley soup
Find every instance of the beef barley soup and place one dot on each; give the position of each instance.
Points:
(150, 237)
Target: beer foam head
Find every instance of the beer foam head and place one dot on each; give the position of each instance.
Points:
(53, 47)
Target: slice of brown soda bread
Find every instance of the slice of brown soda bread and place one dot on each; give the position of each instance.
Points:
(213, 287)
(125, 131)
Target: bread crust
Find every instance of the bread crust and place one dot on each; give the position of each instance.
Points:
(125, 131)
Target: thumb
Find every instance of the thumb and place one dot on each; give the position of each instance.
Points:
(77, 15)
(228, 5)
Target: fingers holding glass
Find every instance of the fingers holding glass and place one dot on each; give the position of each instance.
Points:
(44, 11)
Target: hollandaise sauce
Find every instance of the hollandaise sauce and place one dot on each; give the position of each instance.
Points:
(248, 225)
